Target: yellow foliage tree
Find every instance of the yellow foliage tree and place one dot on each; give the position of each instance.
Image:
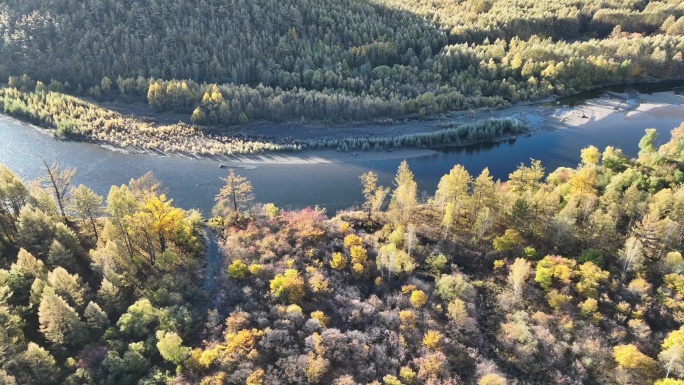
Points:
(338, 261)
(407, 374)
(165, 218)
(352, 240)
(288, 284)
(432, 339)
(256, 378)
(316, 367)
(241, 345)
(492, 379)
(321, 317)
(408, 319)
(317, 281)
(358, 254)
(418, 298)
(633, 365)
(238, 270)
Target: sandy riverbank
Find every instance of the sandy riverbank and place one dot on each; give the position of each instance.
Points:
(307, 156)
(624, 106)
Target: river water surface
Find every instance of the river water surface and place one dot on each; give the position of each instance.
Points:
(192, 183)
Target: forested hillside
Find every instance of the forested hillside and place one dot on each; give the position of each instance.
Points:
(234, 61)
(570, 277)
(93, 293)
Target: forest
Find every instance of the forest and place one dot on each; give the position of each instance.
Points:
(566, 276)
(228, 62)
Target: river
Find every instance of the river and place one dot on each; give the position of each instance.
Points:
(192, 183)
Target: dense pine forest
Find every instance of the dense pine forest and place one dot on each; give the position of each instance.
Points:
(228, 62)
(567, 276)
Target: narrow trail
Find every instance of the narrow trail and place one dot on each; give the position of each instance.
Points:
(213, 267)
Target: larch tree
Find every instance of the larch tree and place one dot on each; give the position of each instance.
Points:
(67, 286)
(448, 218)
(583, 182)
(87, 205)
(58, 181)
(59, 322)
(121, 205)
(110, 297)
(165, 218)
(237, 191)
(526, 178)
(13, 197)
(35, 231)
(404, 195)
(520, 270)
(453, 188)
(373, 194)
(37, 365)
(96, 318)
(483, 193)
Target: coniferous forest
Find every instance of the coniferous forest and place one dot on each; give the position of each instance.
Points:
(567, 276)
(230, 62)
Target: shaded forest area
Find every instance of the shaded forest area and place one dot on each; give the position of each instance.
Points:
(570, 277)
(229, 62)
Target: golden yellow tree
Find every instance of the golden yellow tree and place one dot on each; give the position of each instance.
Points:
(404, 195)
(165, 218)
(237, 191)
(289, 284)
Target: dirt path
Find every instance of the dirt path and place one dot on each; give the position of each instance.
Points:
(212, 270)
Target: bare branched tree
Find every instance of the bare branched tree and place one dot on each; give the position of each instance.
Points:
(58, 180)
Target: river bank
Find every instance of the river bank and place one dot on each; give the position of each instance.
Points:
(193, 183)
(297, 143)
(538, 118)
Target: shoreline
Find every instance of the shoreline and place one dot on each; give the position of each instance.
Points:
(538, 117)
(305, 156)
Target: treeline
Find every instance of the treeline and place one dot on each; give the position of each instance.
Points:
(231, 62)
(468, 133)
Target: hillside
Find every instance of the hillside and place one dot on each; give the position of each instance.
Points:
(570, 277)
(236, 61)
